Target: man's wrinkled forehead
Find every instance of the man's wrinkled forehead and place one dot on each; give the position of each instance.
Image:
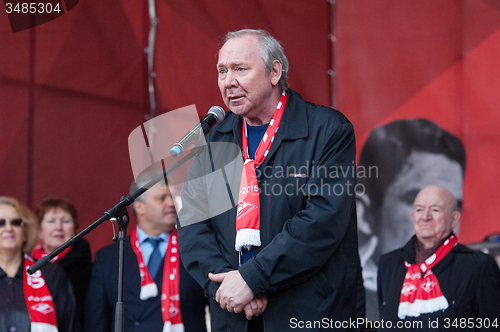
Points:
(434, 196)
(241, 47)
(159, 189)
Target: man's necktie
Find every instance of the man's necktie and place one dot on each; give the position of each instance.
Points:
(155, 258)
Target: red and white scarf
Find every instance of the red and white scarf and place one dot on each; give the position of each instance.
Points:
(248, 213)
(39, 253)
(170, 296)
(421, 293)
(38, 300)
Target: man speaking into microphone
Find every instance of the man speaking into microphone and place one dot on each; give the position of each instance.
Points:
(287, 250)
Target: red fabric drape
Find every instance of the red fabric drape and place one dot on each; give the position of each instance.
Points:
(81, 82)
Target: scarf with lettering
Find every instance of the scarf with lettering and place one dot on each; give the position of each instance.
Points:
(248, 213)
(421, 293)
(40, 305)
(39, 253)
(170, 296)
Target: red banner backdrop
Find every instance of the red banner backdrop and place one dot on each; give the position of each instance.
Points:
(72, 90)
(428, 59)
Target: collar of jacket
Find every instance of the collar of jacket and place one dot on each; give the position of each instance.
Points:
(293, 124)
(409, 255)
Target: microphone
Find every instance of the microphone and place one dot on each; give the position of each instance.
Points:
(215, 115)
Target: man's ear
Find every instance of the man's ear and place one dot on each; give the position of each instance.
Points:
(456, 218)
(138, 207)
(276, 72)
(363, 204)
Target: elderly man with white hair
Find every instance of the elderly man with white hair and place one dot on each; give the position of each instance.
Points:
(434, 283)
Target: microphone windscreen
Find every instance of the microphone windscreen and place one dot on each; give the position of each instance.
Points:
(218, 112)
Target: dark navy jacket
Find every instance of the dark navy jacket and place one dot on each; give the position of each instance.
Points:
(140, 316)
(14, 314)
(308, 262)
(469, 280)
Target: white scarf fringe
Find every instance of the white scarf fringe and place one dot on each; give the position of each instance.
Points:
(148, 291)
(247, 237)
(168, 327)
(43, 327)
(418, 307)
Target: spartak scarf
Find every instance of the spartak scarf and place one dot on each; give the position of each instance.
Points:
(40, 305)
(248, 213)
(421, 293)
(170, 298)
(39, 253)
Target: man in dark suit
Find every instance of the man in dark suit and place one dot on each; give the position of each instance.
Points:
(151, 252)
(434, 283)
(398, 160)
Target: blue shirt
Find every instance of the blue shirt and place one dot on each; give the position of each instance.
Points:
(147, 247)
(255, 135)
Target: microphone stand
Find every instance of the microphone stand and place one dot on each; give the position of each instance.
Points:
(119, 211)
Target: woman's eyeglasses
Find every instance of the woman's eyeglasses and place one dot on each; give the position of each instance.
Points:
(14, 222)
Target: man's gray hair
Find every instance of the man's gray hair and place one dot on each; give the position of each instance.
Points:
(270, 50)
(143, 179)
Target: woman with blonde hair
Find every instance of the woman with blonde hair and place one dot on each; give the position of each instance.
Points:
(43, 301)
